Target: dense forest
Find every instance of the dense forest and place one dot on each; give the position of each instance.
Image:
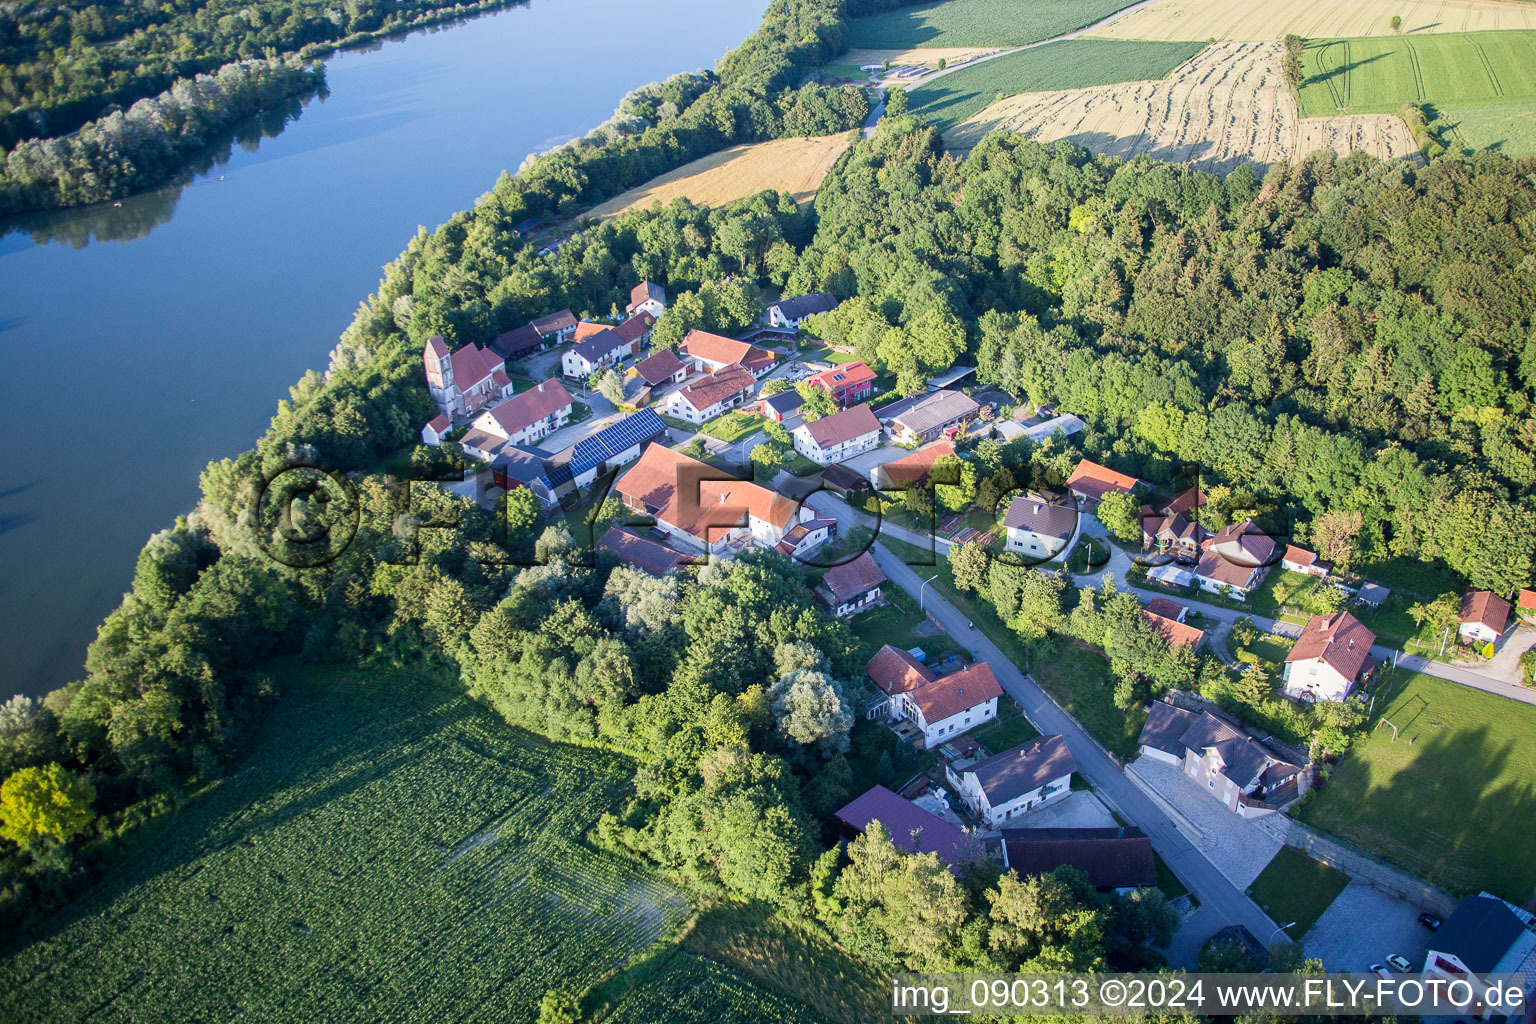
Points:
(1347, 344)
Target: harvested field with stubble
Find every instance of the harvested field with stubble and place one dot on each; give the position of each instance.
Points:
(795, 166)
(1225, 106)
(1255, 22)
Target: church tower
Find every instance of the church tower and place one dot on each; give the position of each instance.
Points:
(439, 368)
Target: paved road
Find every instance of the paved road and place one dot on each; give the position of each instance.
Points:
(1221, 901)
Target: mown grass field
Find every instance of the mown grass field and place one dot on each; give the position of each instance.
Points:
(795, 166)
(1073, 64)
(1378, 75)
(967, 23)
(1453, 799)
(389, 851)
(1294, 887)
(734, 426)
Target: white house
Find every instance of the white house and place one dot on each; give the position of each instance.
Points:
(1236, 560)
(1332, 654)
(1301, 560)
(1483, 938)
(710, 395)
(1039, 531)
(597, 351)
(849, 588)
(1484, 616)
(521, 419)
(1015, 781)
(647, 297)
(1227, 763)
(792, 312)
(805, 536)
(838, 437)
(952, 704)
(436, 429)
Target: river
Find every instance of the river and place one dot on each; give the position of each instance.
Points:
(145, 340)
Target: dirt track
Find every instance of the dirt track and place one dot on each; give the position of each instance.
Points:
(1225, 106)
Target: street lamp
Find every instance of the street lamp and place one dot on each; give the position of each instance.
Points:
(1277, 931)
(924, 587)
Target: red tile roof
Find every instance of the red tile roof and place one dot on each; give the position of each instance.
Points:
(646, 290)
(912, 468)
(1340, 641)
(1166, 607)
(895, 671)
(841, 378)
(718, 386)
(1528, 599)
(692, 496)
(853, 578)
(1095, 481)
(1300, 556)
(1486, 607)
(955, 693)
(531, 406)
(716, 348)
(658, 367)
(646, 555)
(635, 326)
(830, 431)
(1176, 633)
(551, 323)
(1185, 502)
(440, 423)
(472, 364)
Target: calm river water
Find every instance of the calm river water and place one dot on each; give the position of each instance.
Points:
(144, 340)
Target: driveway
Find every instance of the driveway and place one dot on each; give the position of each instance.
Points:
(1362, 926)
(1238, 848)
(603, 414)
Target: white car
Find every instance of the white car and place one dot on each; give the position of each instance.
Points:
(1381, 970)
(1399, 963)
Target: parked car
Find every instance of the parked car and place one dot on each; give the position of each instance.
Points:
(1398, 962)
(1430, 921)
(1381, 970)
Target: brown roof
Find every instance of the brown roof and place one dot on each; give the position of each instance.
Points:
(1214, 567)
(1095, 481)
(1112, 858)
(1166, 607)
(1185, 502)
(853, 578)
(840, 378)
(693, 497)
(586, 329)
(517, 341)
(646, 555)
(1340, 641)
(531, 406)
(1486, 607)
(1176, 633)
(952, 694)
(635, 326)
(437, 346)
(895, 671)
(646, 290)
(717, 348)
(842, 426)
(1235, 555)
(717, 386)
(912, 468)
(1300, 556)
(659, 366)
(552, 322)
(1528, 599)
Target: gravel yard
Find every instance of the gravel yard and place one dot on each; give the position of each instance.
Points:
(1362, 926)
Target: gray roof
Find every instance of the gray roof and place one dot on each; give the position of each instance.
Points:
(785, 402)
(1245, 760)
(1479, 933)
(950, 376)
(599, 345)
(806, 305)
(1165, 726)
(1373, 594)
(936, 409)
(1023, 769)
(1033, 513)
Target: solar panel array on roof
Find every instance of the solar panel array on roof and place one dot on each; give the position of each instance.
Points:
(604, 445)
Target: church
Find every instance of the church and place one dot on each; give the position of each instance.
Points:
(465, 382)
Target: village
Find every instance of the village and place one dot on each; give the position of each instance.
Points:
(674, 431)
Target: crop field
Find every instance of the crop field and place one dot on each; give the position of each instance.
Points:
(1254, 22)
(977, 23)
(695, 990)
(1379, 75)
(1508, 127)
(795, 166)
(1073, 64)
(389, 851)
(1452, 799)
(1227, 105)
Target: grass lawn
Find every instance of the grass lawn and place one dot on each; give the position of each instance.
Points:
(1074, 64)
(734, 426)
(1271, 648)
(958, 23)
(388, 846)
(1283, 589)
(894, 624)
(1079, 679)
(1377, 75)
(1010, 729)
(799, 465)
(822, 354)
(928, 563)
(1453, 799)
(1294, 887)
(691, 428)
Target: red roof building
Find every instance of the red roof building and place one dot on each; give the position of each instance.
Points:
(1091, 481)
(910, 469)
(848, 384)
(1332, 654)
(1176, 633)
(1484, 616)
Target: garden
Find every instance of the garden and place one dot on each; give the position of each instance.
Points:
(1296, 888)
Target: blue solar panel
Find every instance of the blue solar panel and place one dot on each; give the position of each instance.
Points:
(604, 445)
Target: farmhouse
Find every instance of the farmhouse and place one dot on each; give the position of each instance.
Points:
(1112, 858)
(1228, 763)
(714, 351)
(1016, 781)
(660, 367)
(925, 417)
(1484, 616)
(647, 297)
(521, 419)
(911, 828)
(939, 707)
(848, 384)
(555, 328)
(1235, 560)
(710, 395)
(792, 312)
(1301, 560)
(436, 429)
(780, 406)
(516, 343)
(640, 552)
(704, 509)
(1040, 530)
(1332, 654)
(908, 470)
(849, 588)
(464, 382)
(838, 437)
(1091, 481)
(583, 462)
(1484, 936)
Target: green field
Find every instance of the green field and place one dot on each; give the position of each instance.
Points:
(1453, 799)
(694, 990)
(1074, 64)
(1509, 128)
(734, 426)
(1377, 75)
(1000, 23)
(389, 851)
(1294, 887)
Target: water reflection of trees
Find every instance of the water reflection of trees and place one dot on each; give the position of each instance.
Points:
(140, 214)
